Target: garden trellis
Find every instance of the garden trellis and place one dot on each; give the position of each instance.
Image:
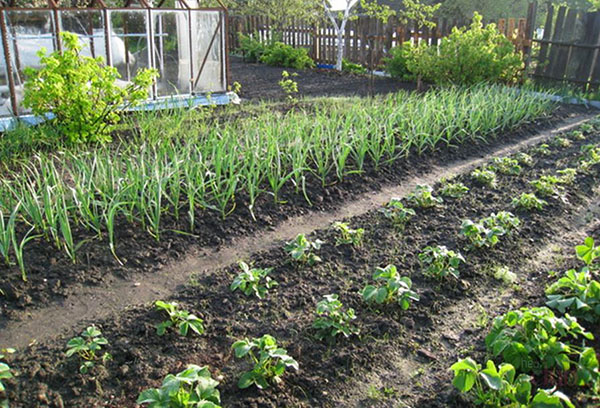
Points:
(186, 43)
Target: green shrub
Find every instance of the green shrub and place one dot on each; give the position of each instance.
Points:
(351, 67)
(81, 92)
(282, 55)
(466, 56)
(251, 48)
(395, 63)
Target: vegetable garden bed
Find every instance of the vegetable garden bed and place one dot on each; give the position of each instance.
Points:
(400, 356)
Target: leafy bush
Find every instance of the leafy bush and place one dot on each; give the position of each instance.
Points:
(251, 47)
(534, 339)
(192, 388)
(348, 235)
(269, 365)
(86, 346)
(466, 56)
(397, 213)
(81, 92)
(396, 288)
(353, 68)
(501, 387)
(528, 201)
(395, 63)
(279, 54)
(332, 320)
(249, 281)
(301, 249)
(182, 319)
(484, 177)
(423, 197)
(578, 293)
(440, 262)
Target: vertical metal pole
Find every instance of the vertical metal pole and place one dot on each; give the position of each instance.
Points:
(8, 63)
(107, 33)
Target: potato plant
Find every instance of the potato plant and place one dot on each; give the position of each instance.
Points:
(485, 177)
(502, 387)
(392, 288)
(332, 320)
(546, 185)
(347, 235)
(453, 190)
(576, 293)
(534, 339)
(87, 346)
(193, 387)
(422, 197)
(270, 361)
(529, 202)
(440, 262)
(302, 250)
(249, 281)
(395, 211)
(507, 166)
(487, 231)
(181, 319)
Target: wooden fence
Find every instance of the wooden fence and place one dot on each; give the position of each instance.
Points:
(570, 48)
(367, 39)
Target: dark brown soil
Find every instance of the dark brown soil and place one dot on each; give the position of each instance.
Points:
(260, 81)
(398, 358)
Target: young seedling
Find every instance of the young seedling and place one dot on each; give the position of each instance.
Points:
(454, 190)
(529, 202)
(249, 281)
(398, 213)
(395, 288)
(524, 159)
(87, 346)
(423, 197)
(301, 249)
(487, 231)
(332, 320)
(348, 236)
(194, 387)
(289, 86)
(546, 185)
(270, 361)
(182, 319)
(440, 262)
(484, 177)
(507, 166)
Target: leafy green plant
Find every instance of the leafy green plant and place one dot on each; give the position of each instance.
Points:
(282, 55)
(395, 62)
(588, 251)
(249, 281)
(251, 47)
(484, 177)
(288, 85)
(351, 67)
(332, 320)
(270, 361)
(501, 387)
(576, 292)
(5, 371)
(524, 159)
(422, 197)
(567, 176)
(194, 387)
(454, 190)
(487, 231)
(560, 141)
(534, 339)
(440, 262)
(302, 250)
(577, 135)
(506, 165)
(586, 128)
(348, 235)
(546, 185)
(395, 288)
(182, 319)
(543, 149)
(87, 346)
(528, 201)
(397, 212)
(81, 92)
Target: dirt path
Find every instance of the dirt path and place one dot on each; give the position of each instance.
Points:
(93, 303)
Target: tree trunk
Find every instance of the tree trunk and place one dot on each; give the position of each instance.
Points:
(340, 50)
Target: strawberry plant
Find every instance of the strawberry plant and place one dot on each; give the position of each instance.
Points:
(560, 141)
(567, 176)
(249, 281)
(397, 213)
(348, 235)
(86, 347)
(578, 293)
(192, 388)
(5, 372)
(542, 150)
(301, 249)
(454, 190)
(395, 288)
(528, 201)
(332, 320)
(506, 165)
(588, 252)
(440, 262)
(270, 361)
(422, 197)
(182, 319)
(577, 135)
(524, 159)
(484, 177)
(501, 387)
(586, 128)
(487, 231)
(535, 339)
(546, 185)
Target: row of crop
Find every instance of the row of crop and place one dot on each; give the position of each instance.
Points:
(178, 175)
(576, 291)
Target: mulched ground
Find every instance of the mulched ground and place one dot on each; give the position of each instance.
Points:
(260, 81)
(410, 351)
